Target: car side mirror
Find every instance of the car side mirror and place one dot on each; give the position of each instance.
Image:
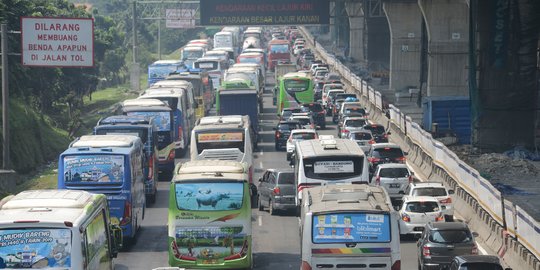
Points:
(260, 179)
(388, 133)
(405, 153)
(274, 128)
(443, 207)
(507, 268)
(451, 191)
(117, 240)
(475, 234)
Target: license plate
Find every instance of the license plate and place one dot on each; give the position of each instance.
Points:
(209, 261)
(395, 185)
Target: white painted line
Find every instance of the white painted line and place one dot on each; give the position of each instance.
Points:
(481, 250)
(261, 153)
(260, 221)
(260, 164)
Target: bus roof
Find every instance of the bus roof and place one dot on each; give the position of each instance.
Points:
(125, 119)
(224, 119)
(251, 54)
(328, 147)
(208, 58)
(166, 62)
(147, 102)
(348, 197)
(292, 75)
(278, 41)
(172, 83)
(51, 206)
(100, 141)
(212, 166)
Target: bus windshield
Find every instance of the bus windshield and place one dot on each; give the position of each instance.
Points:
(279, 48)
(219, 139)
(354, 227)
(209, 196)
(296, 85)
(333, 167)
(255, 60)
(36, 248)
(207, 65)
(192, 54)
(162, 119)
(91, 169)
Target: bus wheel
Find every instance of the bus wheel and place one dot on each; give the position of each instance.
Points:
(259, 203)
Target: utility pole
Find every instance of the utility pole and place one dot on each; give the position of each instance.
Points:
(5, 98)
(135, 69)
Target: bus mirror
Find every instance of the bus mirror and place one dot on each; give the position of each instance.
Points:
(117, 239)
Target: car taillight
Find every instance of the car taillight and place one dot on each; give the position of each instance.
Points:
(302, 186)
(410, 179)
(426, 252)
(172, 155)
(151, 167)
(396, 265)
(305, 266)
(126, 218)
(378, 181)
(385, 135)
(405, 218)
(180, 133)
(278, 135)
(439, 218)
(373, 159)
(401, 159)
(371, 142)
(345, 131)
(276, 191)
(446, 201)
(474, 250)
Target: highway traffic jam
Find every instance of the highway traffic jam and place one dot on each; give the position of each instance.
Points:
(246, 153)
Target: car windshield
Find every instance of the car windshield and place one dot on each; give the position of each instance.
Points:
(303, 136)
(480, 266)
(429, 191)
(422, 207)
(286, 178)
(288, 126)
(287, 113)
(387, 152)
(360, 136)
(314, 107)
(394, 172)
(303, 121)
(355, 123)
(375, 129)
(450, 236)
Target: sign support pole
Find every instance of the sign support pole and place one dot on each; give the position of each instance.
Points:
(5, 98)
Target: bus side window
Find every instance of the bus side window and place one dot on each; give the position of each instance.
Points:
(96, 240)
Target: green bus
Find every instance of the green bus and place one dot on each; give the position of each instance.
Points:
(295, 88)
(209, 223)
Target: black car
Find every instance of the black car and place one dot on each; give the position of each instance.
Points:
(441, 242)
(317, 112)
(317, 90)
(379, 132)
(277, 191)
(381, 153)
(476, 262)
(282, 132)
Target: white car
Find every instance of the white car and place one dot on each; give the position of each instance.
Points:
(351, 124)
(298, 48)
(299, 135)
(416, 212)
(395, 177)
(363, 138)
(436, 190)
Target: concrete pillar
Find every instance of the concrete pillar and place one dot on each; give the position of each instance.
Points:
(405, 21)
(356, 34)
(447, 23)
(331, 26)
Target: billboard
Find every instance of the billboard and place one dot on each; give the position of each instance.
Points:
(57, 42)
(180, 18)
(264, 12)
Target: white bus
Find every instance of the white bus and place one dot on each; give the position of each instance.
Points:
(348, 226)
(228, 137)
(328, 160)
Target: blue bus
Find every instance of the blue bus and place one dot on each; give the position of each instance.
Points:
(110, 165)
(144, 128)
(166, 129)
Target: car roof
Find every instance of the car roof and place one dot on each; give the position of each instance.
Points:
(385, 145)
(354, 118)
(448, 226)
(427, 184)
(303, 131)
(419, 199)
(392, 165)
(288, 122)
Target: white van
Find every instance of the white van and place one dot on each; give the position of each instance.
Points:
(57, 229)
(347, 226)
(328, 160)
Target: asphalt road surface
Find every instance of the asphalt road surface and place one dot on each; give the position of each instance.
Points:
(276, 242)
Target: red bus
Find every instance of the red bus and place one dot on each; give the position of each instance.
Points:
(278, 50)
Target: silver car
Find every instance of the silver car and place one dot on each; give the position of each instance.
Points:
(363, 138)
(351, 124)
(395, 177)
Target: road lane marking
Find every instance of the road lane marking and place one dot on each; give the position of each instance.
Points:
(260, 164)
(260, 221)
